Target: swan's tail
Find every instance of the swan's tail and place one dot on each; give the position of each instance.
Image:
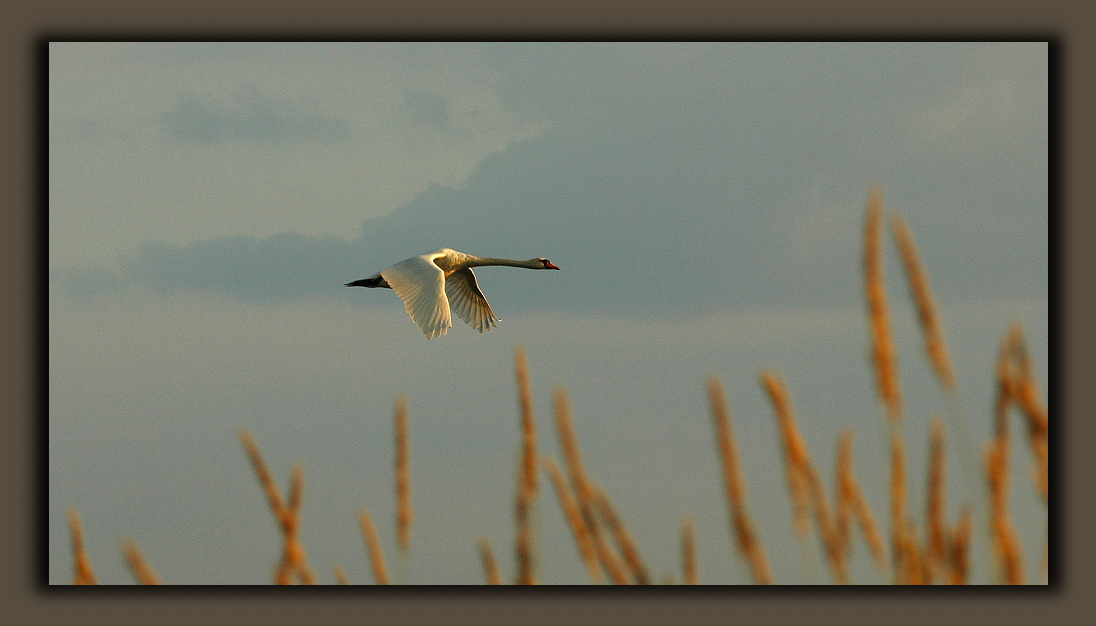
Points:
(374, 281)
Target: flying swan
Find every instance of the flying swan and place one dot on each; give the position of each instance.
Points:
(423, 283)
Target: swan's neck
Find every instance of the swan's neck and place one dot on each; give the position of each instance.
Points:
(474, 261)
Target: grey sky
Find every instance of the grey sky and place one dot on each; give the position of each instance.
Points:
(705, 201)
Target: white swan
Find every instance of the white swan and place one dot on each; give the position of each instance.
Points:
(424, 281)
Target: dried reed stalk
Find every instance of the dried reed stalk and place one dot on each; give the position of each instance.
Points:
(937, 531)
(290, 525)
(1014, 380)
(1025, 391)
(266, 479)
(373, 544)
(915, 572)
(851, 501)
(795, 457)
(596, 553)
(1041, 475)
(528, 425)
(84, 574)
(296, 487)
(527, 475)
(288, 516)
(689, 572)
(935, 345)
(1046, 562)
(883, 350)
(827, 528)
(846, 498)
(628, 548)
(1005, 392)
(578, 526)
(901, 557)
(294, 559)
(959, 549)
(404, 513)
(490, 565)
(524, 543)
(142, 571)
(581, 485)
(799, 487)
(340, 575)
(1005, 542)
(803, 478)
(569, 442)
(612, 563)
(741, 525)
(835, 553)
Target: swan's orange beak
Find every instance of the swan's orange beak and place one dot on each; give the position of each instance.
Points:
(548, 265)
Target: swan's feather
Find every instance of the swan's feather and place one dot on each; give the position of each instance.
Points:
(421, 286)
(467, 301)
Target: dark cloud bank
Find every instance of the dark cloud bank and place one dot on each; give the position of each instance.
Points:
(249, 116)
(668, 202)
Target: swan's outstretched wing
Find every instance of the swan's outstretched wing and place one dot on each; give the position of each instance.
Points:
(467, 301)
(421, 286)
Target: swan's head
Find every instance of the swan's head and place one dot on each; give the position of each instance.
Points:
(546, 264)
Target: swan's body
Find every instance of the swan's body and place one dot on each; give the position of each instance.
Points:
(429, 284)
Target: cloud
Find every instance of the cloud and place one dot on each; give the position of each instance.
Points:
(184, 142)
(271, 269)
(427, 107)
(83, 283)
(737, 181)
(249, 116)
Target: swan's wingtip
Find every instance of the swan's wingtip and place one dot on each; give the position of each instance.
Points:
(435, 332)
